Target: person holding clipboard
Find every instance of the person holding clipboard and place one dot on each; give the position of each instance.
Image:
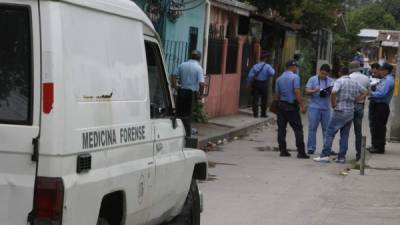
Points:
(319, 88)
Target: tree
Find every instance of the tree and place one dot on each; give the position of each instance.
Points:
(313, 15)
(360, 16)
(286, 8)
(373, 16)
(393, 7)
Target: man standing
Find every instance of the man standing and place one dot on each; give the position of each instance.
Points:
(258, 80)
(191, 78)
(379, 109)
(287, 92)
(319, 110)
(364, 81)
(344, 93)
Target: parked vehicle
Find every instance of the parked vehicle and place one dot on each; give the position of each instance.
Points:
(87, 130)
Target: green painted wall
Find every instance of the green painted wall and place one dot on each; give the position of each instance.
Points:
(178, 32)
(175, 34)
(140, 3)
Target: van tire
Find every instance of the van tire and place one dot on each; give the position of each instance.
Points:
(190, 214)
(102, 221)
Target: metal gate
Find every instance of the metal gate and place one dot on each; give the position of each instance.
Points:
(245, 94)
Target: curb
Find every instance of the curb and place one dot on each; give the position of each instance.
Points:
(234, 132)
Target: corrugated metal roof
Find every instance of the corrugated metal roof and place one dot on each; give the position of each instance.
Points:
(369, 33)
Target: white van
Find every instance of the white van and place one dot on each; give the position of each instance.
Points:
(87, 131)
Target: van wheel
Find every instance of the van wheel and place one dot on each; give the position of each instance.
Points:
(102, 221)
(190, 214)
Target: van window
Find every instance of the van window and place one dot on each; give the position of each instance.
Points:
(15, 65)
(160, 102)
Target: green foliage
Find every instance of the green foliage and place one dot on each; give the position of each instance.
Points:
(307, 56)
(199, 115)
(367, 15)
(286, 8)
(318, 14)
(392, 7)
(373, 16)
(311, 14)
(344, 17)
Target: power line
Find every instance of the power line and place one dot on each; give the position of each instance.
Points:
(187, 9)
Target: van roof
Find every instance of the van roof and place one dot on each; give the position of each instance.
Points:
(126, 8)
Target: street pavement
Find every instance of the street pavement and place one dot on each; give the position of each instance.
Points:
(249, 184)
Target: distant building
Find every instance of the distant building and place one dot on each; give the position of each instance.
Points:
(380, 45)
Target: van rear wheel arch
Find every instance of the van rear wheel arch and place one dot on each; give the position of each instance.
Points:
(200, 171)
(112, 209)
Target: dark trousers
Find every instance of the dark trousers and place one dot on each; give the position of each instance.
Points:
(357, 121)
(378, 118)
(289, 113)
(185, 102)
(260, 92)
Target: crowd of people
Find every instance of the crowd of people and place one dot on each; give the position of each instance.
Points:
(336, 104)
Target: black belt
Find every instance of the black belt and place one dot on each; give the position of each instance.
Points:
(290, 103)
(378, 103)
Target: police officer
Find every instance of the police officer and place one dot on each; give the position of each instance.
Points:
(191, 78)
(287, 92)
(379, 109)
(258, 82)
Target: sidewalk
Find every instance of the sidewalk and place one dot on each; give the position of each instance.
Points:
(229, 127)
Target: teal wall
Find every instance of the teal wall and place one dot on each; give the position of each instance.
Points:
(178, 31)
(140, 3)
(175, 34)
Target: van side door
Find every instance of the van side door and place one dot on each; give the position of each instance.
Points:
(19, 106)
(168, 139)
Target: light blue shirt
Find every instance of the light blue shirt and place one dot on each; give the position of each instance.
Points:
(384, 90)
(265, 72)
(285, 86)
(316, 101)
(190, 74)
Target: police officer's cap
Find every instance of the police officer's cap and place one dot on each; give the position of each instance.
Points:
(291, 63)
(195, 54)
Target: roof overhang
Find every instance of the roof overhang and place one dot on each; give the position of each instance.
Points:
(390, 44)
(275, 20)
(236, 7)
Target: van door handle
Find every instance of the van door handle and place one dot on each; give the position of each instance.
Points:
(159, 147)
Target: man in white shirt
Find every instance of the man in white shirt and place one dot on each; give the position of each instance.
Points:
(363, 80)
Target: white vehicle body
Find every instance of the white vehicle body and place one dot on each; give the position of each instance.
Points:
(97, 91)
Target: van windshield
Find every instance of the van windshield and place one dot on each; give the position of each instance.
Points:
(15, 65)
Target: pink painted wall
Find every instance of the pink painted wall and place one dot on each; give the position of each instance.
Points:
(224, 89)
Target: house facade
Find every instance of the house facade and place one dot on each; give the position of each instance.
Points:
(180, 25)
(225, 54)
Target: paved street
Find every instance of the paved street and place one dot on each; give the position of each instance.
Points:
(251, 185)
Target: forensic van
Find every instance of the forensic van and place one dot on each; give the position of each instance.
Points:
(88, 134)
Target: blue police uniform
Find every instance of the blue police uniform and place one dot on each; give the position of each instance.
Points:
(190, 75)
(259, 74)
(285, 86)
(319, 110)
(379, 112)
(288, 112)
